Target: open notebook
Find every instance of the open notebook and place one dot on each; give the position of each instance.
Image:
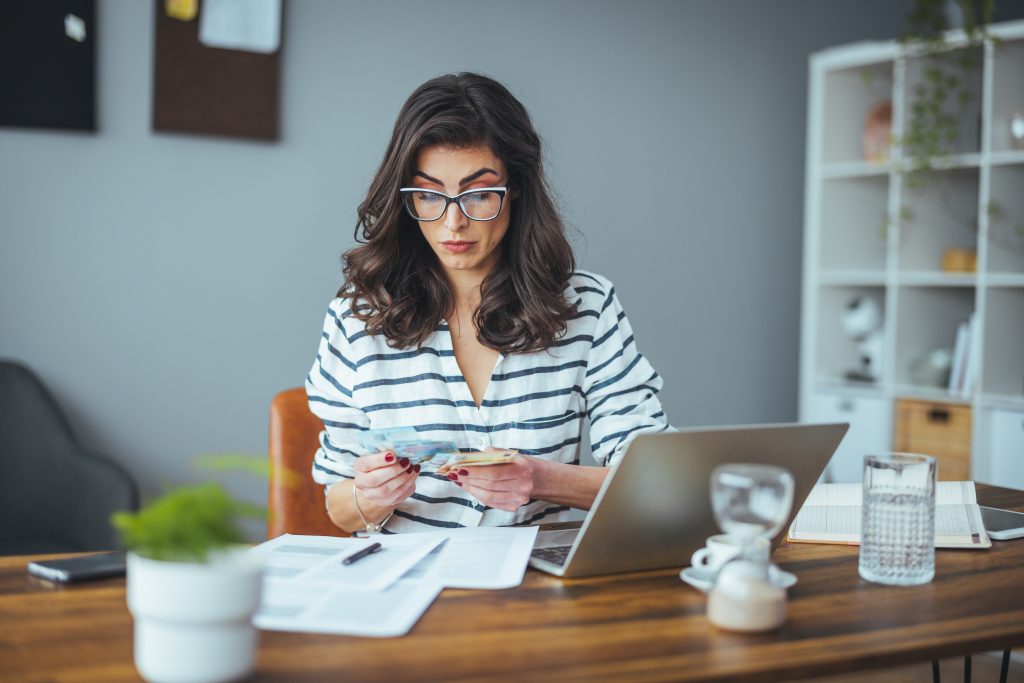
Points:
(831, 514)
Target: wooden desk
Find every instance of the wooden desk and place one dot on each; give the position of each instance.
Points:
(639, 627)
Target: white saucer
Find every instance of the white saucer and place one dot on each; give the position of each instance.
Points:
(703, 580)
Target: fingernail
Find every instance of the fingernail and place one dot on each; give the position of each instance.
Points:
(389, 458)
(417, 468)
(453, 476)
(463, 473)
(408, 469)
(458, 483)
(403, 462)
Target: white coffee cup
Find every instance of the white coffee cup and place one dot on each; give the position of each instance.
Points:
(721, 548)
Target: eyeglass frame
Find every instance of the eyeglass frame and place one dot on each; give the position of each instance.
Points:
(448, 199)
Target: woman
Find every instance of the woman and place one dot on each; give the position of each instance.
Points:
(462, 316)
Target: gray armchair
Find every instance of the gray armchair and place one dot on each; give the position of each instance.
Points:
(55, 496)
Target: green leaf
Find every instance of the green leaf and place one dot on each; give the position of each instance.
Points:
(183, 525)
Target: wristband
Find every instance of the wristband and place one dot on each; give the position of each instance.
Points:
(371, 527)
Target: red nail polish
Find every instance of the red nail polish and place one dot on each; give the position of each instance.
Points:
(389, 458)
(417, 468)
(459, 484)
(453, 476)
(463, 473)
(403, 462)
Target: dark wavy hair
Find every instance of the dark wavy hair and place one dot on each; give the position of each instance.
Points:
(393, 278)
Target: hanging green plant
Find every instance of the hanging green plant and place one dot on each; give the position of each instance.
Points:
(941, 98)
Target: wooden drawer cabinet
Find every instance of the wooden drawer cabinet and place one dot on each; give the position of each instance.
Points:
(939, 429)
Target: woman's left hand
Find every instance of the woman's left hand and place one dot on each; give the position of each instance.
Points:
(507, 487)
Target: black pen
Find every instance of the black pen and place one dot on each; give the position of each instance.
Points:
(368, 550)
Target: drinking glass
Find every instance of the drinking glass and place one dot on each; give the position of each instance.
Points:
(751, 501)
(898, 519)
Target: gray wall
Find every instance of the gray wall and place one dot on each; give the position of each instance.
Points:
(166, 286)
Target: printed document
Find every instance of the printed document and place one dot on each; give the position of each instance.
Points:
(832, 512)
(307, 588)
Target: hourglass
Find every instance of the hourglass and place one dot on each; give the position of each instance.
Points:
(751, 502)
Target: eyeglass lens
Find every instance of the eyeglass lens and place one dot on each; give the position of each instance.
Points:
(429, 206)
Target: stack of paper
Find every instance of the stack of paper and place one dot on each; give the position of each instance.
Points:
(307, 588)
(832, 514)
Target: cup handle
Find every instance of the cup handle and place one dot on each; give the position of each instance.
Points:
(697, 559)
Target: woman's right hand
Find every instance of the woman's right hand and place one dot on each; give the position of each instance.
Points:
(383, 480)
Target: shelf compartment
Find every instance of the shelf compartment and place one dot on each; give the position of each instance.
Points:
(1005, 280)
(852, 278)
(854, 169)
(1005, 212)
(919, 393)
(967, 126)
(1006, 158)
(1007, 94)
(1003, 371)
(837, 352)
(928, 321)
(849, 238)
(941, 214)
(850, 94)
(937, 279)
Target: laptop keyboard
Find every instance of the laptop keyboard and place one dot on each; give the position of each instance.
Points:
(554, 555)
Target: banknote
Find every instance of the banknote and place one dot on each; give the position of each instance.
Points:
(472, 459)
(405, 442)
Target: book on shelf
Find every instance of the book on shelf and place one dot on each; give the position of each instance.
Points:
(963, 374)
(970, 377)
(831, 514)
(956, 374)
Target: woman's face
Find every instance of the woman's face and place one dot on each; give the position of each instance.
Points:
(461, 244)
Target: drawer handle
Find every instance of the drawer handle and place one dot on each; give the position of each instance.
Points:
(938, 415)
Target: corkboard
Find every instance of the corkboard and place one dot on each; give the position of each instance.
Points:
(208, 90)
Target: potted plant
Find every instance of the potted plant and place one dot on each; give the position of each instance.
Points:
(192, 586)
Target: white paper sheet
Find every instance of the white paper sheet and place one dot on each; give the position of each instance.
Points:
(307, 589)
(482, 557)
(307, 608)
(250, 25)
(317, 559)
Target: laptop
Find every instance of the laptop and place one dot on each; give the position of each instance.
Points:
(654, 508)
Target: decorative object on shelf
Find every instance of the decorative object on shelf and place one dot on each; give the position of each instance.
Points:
(862, 321)
(878, 133)
(1017, 129)
(931, 369)
(959, 260)
(192, 586)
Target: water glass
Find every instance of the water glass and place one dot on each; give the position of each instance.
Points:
(898, 519)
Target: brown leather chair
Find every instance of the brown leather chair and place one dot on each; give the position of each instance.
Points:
(295, 501)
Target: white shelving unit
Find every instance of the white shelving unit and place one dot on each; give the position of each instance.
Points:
(866, 231)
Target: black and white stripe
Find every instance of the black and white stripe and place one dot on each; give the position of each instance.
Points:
(535, 403)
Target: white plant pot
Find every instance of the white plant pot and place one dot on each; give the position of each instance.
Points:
(193, 621)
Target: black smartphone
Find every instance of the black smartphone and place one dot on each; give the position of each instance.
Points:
(81, 568)
(1002, 525)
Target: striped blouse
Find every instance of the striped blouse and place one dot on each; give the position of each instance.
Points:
(536, 403)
